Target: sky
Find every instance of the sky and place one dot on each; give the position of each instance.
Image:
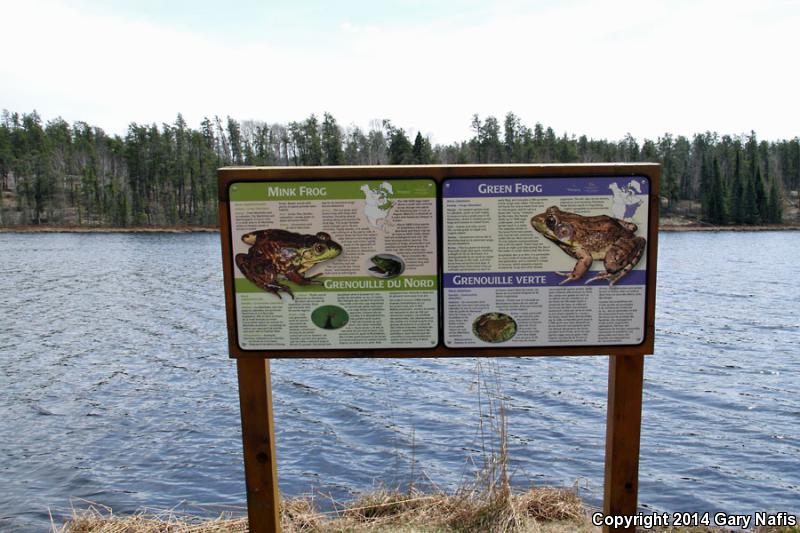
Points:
(602, 68)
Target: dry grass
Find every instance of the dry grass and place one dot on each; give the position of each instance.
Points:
(100, 519)
(460, 512)
(380, 511)
(542, 510)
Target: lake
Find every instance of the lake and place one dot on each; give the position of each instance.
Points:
(117, 388)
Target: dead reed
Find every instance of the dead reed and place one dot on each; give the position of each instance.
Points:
(379, 511)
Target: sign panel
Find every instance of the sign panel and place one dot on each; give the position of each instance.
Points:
(344, 262)
(545, 261)
(440, 260)
(334, 264)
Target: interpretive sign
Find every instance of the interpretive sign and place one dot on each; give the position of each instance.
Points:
(538, 261)
(439, 261)
(339, 264)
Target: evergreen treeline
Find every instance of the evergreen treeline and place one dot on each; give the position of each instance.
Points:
(57, 173)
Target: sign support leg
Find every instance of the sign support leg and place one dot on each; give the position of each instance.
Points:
(258, 439)
(625, 376)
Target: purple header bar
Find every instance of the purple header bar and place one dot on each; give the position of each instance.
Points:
(574, 186)
(471, 280)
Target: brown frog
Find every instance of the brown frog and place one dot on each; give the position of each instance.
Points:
(494, 327)
(275, 252)
(589, 238)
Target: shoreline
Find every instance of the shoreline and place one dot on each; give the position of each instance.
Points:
(45, 228)
(670, 228)
(764, 227)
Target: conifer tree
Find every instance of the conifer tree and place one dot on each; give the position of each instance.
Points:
(400, 150)
(775, 204)
(235, 140)
(749, 205)
(312, 145)
(737, 192)
(716, 201)
(511, 128)
(760, 197)
(331, 141)
(705, 179)
(423, 154)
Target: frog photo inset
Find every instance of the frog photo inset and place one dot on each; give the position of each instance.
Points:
(386, 266)
(330, 317)
(494, 327)
(277, 252)
(587, 238)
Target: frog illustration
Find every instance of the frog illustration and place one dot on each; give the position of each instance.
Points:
(494, 327)
(277, 252)
(386, 265)
(588, 238)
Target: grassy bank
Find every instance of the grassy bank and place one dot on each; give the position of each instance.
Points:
(540, 510)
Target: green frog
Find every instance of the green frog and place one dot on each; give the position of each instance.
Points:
(275, 252)
(494, 327)
(589, 238)
(386, 266)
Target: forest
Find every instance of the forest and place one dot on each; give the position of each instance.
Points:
(56, 173)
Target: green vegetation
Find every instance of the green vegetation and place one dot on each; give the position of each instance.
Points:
(56, 173)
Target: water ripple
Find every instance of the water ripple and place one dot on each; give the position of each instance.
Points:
(116, 387)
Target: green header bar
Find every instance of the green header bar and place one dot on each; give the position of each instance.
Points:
(352, 284)
(261, 191)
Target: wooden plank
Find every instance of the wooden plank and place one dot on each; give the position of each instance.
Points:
(258, 439)
(438, 172)
(625, 379)
(439, 351)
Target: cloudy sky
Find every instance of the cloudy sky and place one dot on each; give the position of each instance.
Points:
(602, 68)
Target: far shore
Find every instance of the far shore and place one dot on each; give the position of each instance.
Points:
(48, 228)
(709, 227)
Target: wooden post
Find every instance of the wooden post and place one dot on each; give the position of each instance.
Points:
(625, 375)
(258, 439)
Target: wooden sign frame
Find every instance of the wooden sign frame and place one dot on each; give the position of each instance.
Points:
(626, 364)
(439, 173)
